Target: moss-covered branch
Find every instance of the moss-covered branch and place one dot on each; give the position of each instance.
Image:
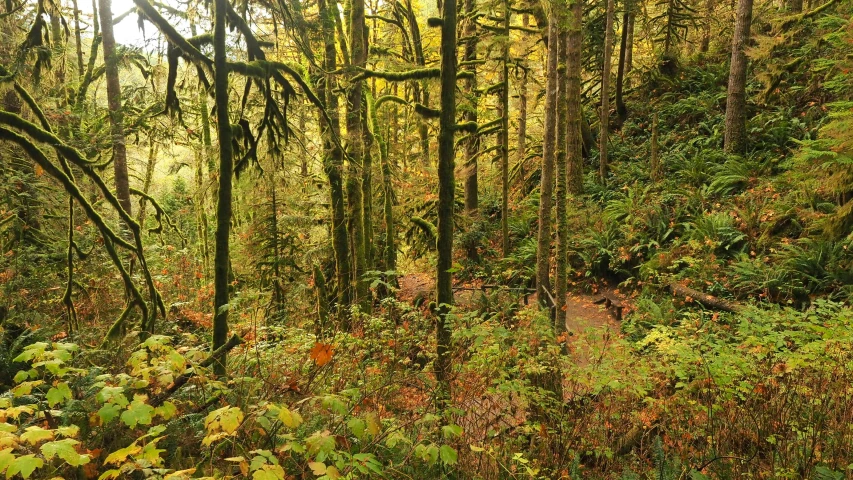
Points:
(426, 111)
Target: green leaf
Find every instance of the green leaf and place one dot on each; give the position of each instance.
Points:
(113, 395)
(137, 413)
(25, 465)
(58, 393)
(21, 376)
(357, 427)
(320, 442)
(167, 410)
(108, 412)
(64, 449)
(451, 431)
(448, 455)
(6, 458)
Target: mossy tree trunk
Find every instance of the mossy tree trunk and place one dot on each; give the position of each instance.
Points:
(575, 119)
(521, 141)
(78, 45)
(472, 144)
(446, 192)
(621, 108)
(546, 186)
(604, 114)
(735, 138)
(122, 180)
(561, 194)
(706, 27)
(222, 259)
(504, 104)
(356, 146)
(333, 160)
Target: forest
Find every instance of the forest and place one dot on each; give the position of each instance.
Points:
(477, 239)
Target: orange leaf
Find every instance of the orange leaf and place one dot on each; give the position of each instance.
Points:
(39, 171)
(322, 353)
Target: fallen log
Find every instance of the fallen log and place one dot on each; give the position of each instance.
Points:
(184, 378)
(703, 298)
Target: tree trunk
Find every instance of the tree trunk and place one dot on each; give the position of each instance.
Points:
(629, 54)
(576, 120)
(446, 191)
(367, 194)
(706, 28)
(222, 259)
(146, 186)
(546, 187)
(794, 6)
(521, 143)
(604, 115)
(122, 182)
(78, 45)
(621, 109)
(735, 138)
(333, 160)
(655, 153)
(421, 88)
(356, 145)
(504, 101)
(472, 144)
(561, 276)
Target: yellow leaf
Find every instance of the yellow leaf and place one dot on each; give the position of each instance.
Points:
(34, 435)
(317, 468)
(289, 418)
(180, 474)
(121, 455)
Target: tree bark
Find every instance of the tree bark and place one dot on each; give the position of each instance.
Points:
(621, 109)
(546, 185)
(655, 153)
(604, 115)
(421, 88)
(521, 143)
(146, 186)
(446, 192)
(706, 28)
(78, 45)
(333, 160)
(575, 107)
(472, 144)
(794, 6)
(122, 181)
(561, 275)
(629, 54)
(735, 138)
(504, 101)
(222, 259)
(356, 145)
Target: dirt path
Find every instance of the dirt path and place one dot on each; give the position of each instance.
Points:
(581, 311)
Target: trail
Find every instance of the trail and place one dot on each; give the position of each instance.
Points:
(581, 311)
